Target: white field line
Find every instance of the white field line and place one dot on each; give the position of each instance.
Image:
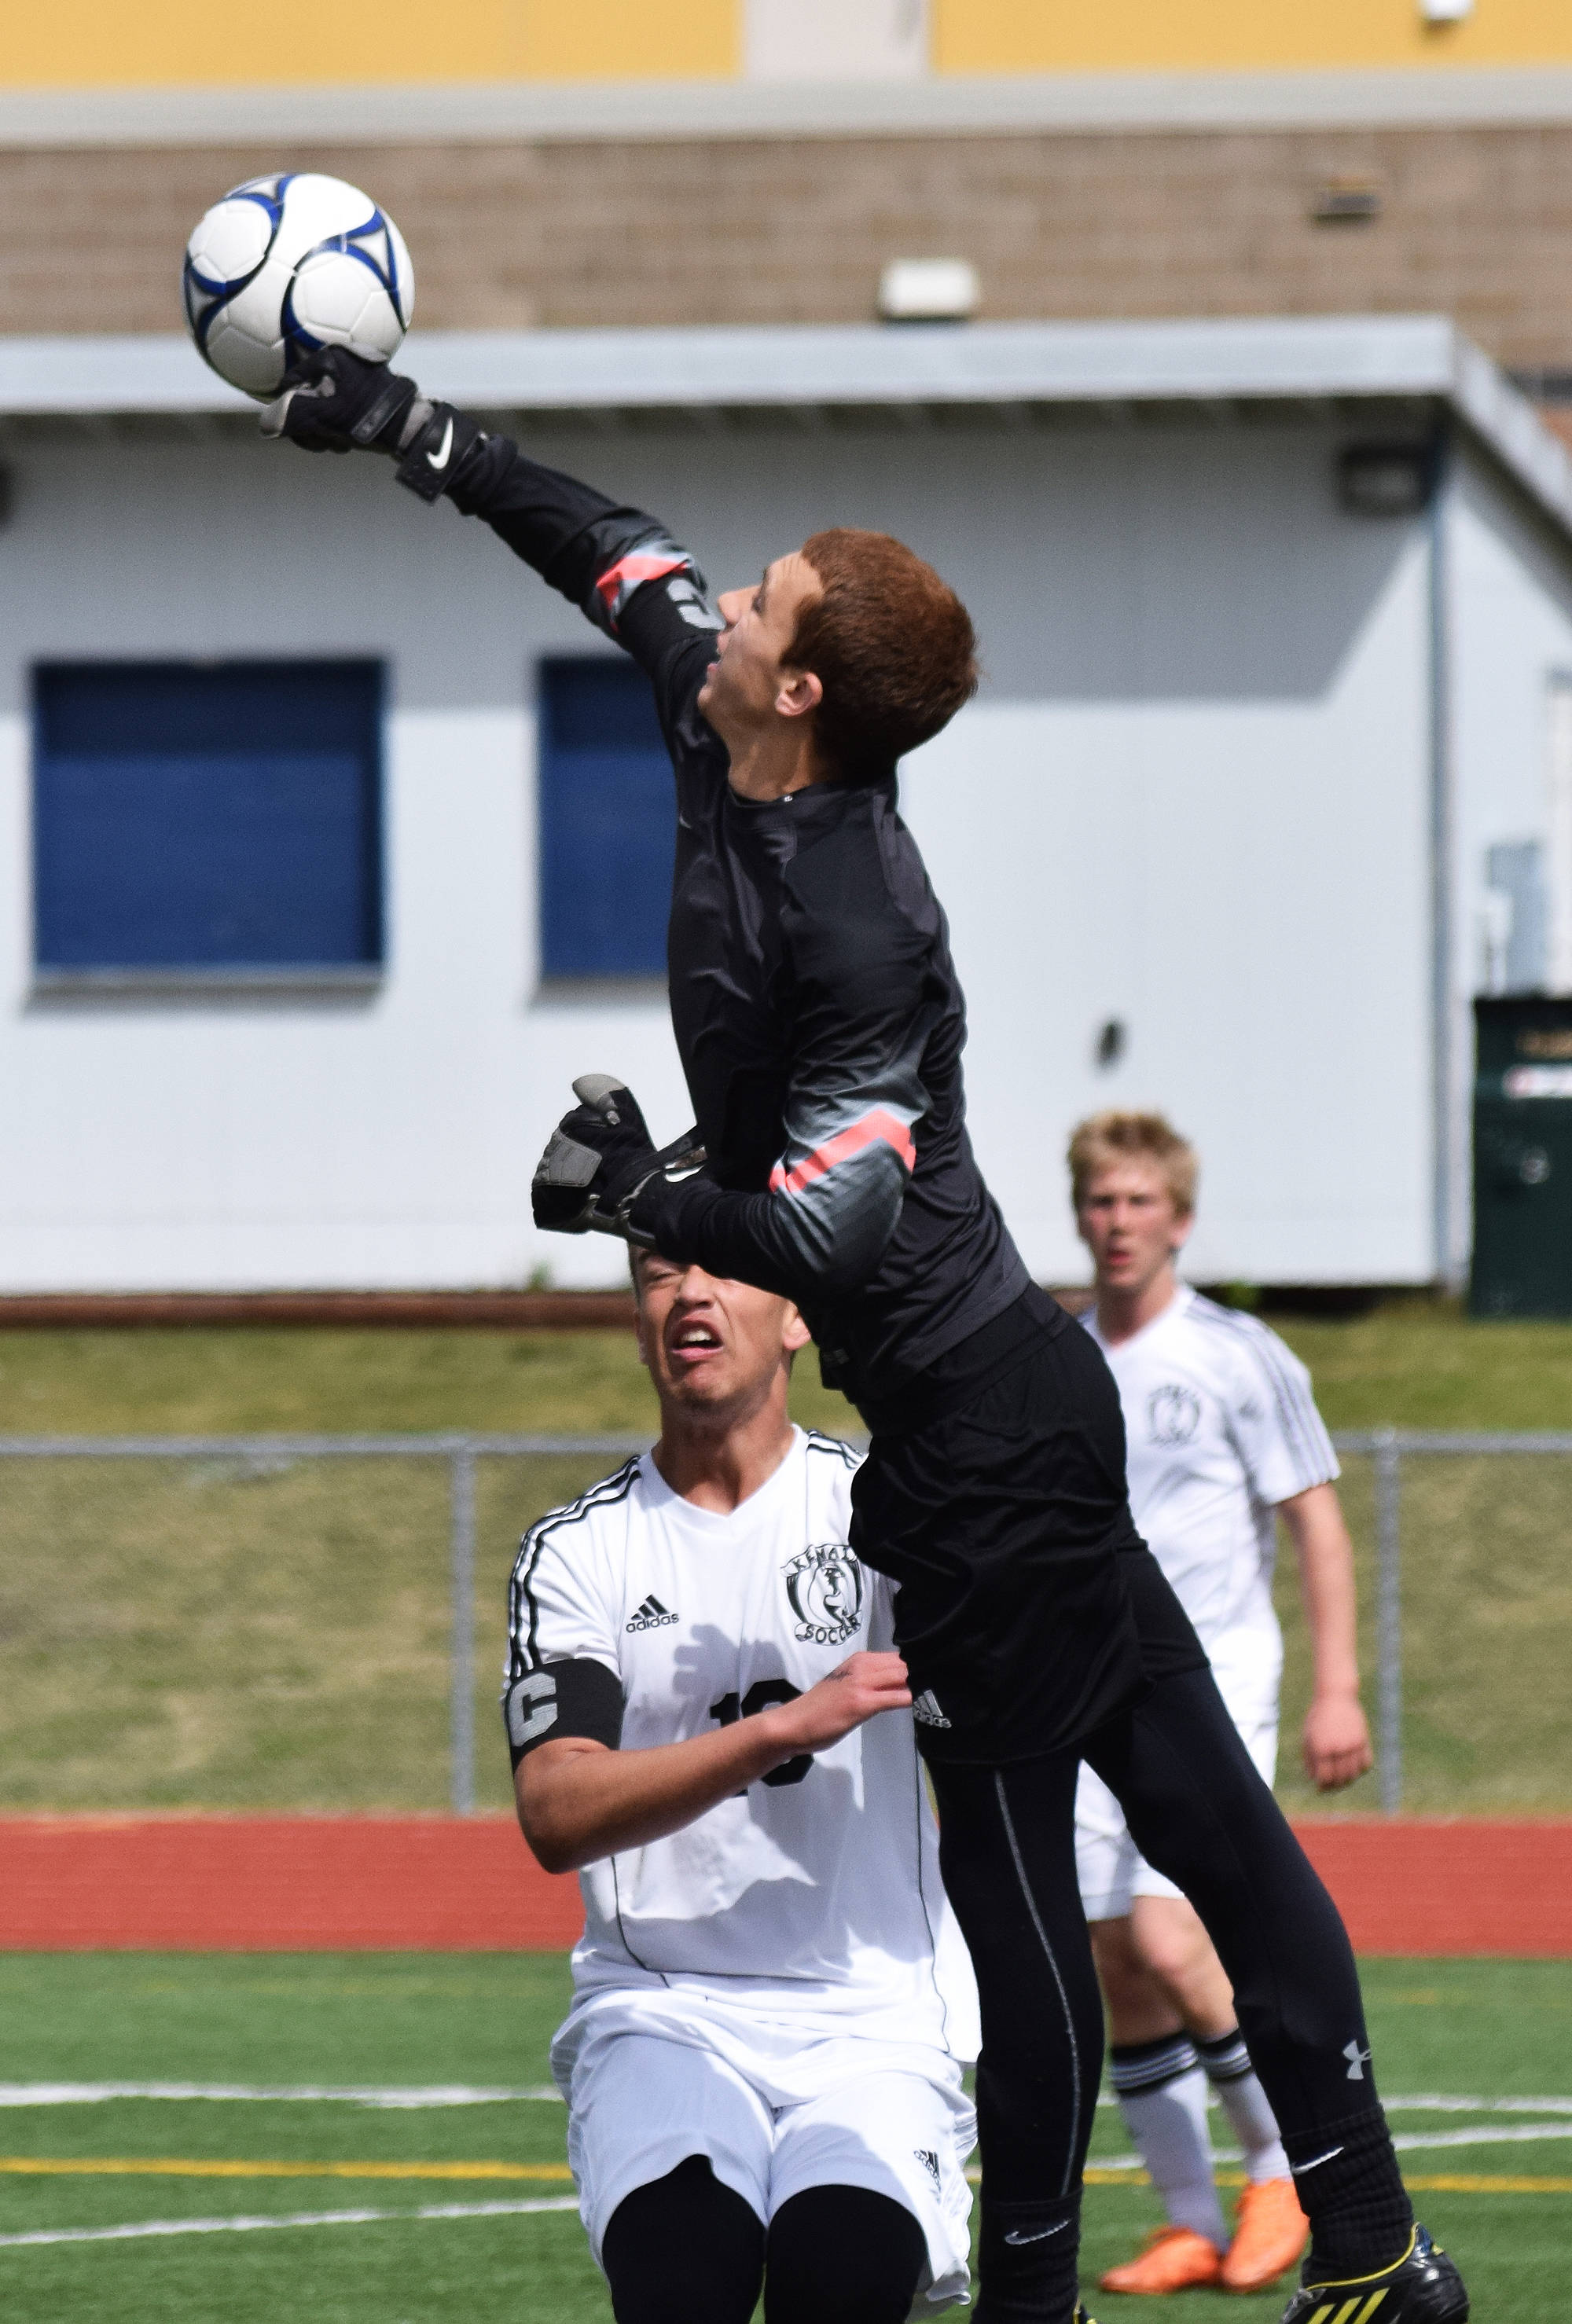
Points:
(1517, 2133)
(1431, 2102)
(1405, 2141)
(1436, 2105)
(1417, 2142)
(412, 2096)
(244, 2225)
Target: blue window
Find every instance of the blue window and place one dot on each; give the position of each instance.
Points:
(207, 816)
(607, 822)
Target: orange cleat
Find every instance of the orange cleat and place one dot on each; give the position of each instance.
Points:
(1271, 2235)
(1171, 2259)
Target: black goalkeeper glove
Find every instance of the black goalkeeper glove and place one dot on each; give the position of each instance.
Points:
(599, 1160)
(336, 402)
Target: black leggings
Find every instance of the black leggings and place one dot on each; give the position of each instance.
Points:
(687, 2250)
(1198, 1811)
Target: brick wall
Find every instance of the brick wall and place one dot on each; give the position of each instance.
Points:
(1475, 222)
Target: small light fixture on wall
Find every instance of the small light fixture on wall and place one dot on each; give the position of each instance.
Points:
(1446, 11)
(929, 290)
(1387, 480)
(1347, 198)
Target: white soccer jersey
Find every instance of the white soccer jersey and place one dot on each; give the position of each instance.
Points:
(1220, 1426)
(814, 1895)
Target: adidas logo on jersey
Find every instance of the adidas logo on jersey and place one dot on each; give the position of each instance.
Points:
(651, 1616)
(929, 2160)
(926, 1711)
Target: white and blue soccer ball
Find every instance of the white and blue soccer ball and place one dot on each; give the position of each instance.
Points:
(285, 265)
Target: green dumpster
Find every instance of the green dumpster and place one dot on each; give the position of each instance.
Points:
(1522, 1157)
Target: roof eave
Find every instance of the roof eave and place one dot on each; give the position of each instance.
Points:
(1271, 360)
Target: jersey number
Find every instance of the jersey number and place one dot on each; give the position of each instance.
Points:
(764, 1695)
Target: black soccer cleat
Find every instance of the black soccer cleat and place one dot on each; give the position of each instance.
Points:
(1423, 2287)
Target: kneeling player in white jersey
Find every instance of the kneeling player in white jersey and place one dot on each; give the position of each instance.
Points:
(1223, 1439)
(772, 2004)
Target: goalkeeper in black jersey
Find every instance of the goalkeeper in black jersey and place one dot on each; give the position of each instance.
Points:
(820, 1025)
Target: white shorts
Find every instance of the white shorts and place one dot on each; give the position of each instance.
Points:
(1109, 1866)
(639, 2103)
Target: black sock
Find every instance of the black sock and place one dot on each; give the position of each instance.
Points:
(1027, 2262)
(1347, 2176)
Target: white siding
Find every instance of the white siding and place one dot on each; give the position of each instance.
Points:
(1193, 796)
(235, 1141)
(1508, 597)
(1219, 840)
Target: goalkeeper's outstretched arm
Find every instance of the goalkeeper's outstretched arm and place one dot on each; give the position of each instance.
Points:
(596, 552)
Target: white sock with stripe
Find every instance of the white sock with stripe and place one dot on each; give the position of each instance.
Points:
(1245, 2103)
(1163, 2095)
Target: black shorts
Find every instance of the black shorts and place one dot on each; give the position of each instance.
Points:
(1029, 1611)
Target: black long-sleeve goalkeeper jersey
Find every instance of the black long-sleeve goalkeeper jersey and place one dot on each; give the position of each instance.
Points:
(816, 1006)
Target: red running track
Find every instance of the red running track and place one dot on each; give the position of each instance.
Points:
(306, 1884)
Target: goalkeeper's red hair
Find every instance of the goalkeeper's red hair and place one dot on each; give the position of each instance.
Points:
(892, 645)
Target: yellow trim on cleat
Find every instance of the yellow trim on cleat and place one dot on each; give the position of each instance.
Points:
(1346, 2313)
(1341, 2283)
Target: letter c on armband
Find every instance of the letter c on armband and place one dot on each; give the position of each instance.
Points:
(531, 1709)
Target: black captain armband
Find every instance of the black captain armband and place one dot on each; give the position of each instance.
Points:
(574, 1697)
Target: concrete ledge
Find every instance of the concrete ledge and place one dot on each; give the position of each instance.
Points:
(956, 104)
(808, 369)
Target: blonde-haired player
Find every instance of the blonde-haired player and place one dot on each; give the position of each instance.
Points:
(1223, 1439)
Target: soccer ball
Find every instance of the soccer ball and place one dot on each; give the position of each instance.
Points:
(287, 264)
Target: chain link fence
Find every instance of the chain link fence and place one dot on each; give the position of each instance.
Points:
(299, 1622)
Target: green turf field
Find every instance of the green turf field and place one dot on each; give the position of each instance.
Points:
(1498, 2034)
(203, 1381)
(1413, 1363)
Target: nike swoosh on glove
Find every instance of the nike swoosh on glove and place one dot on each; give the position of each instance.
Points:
(337, 401)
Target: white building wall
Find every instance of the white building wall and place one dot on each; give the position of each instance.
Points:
(1192, 796)
(1219, 840)
(1510, 593)
(240, 1139)
(1509, 618)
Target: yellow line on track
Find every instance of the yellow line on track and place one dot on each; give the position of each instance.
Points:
(73, 2166)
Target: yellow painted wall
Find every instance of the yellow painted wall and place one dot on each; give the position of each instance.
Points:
(131, 43)
(1006, 36)
(296, 43)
